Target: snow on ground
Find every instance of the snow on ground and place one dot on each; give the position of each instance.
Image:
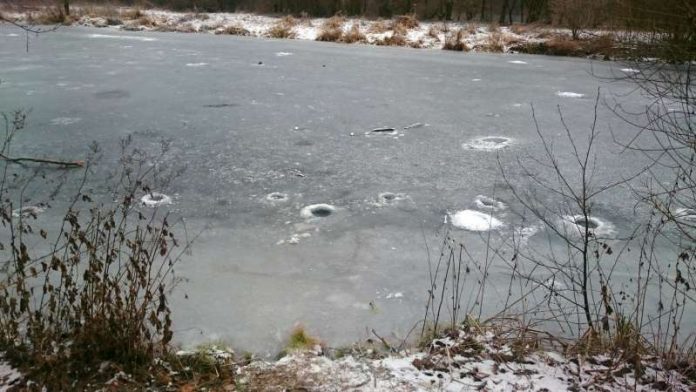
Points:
(8, 375)
(458, 363)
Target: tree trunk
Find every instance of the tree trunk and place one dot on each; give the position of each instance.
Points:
(503, 12)
(483, 9)
(66, 7)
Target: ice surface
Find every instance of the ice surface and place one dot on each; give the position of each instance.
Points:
(234, 139)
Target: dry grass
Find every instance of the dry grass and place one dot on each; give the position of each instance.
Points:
(455, 41)
(378, 27)
(131, 13)
(563, 46)
(519, 28)
(510, 39)
(234, 30)
(146, 21)
(392, 40)
(331, 29)
(494, 27)
(405, 21)
(282, 29)
(494, 44)
(353, 35)
(604, 44)
(417, 44)
(48, 16)
(330, 34)
(334, 22)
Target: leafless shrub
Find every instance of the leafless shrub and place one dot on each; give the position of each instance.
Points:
(93, 290)
(455, 41)
(577, 15)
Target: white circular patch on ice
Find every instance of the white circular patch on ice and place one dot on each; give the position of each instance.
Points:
(599, 228)
(685, 214)
(569, 94)
(277, 197)
(65, 120)
(629, 70)
(155, 199)
(489, 203)
(487, 143)
(517, 62)
(196, 64)
(28, 211)
(317, 211)
(474, 221)
(283, 54)
(476, 80)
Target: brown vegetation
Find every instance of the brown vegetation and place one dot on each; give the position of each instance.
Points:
(283, 28)
(603, 45)
(234, 30)
(378, 27)
(392, 40)
(353, 35)
(406, 21)
(494, 44)
(331, 29)
(455, 41)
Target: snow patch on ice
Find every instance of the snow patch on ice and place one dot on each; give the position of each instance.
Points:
(65, 120)
(127, 37)
(517, 62)
(283, 54)
(474, 221)
(28, 211)
(487, 143)
(569, 94)
(196, 64)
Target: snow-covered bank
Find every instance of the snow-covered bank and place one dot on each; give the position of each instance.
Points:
(401, 31)
(461, 362)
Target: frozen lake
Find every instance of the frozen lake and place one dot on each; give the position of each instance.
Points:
(249, 118)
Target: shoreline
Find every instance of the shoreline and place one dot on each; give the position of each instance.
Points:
(404, 31)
